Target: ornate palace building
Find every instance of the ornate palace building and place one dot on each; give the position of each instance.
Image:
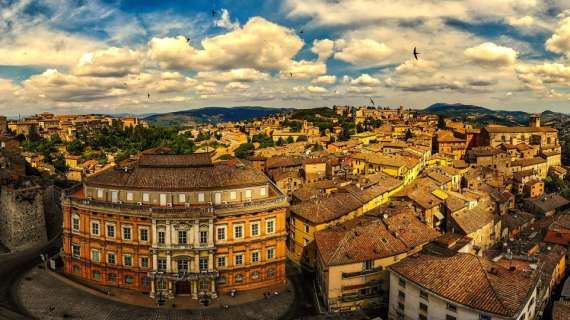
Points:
(176, 225)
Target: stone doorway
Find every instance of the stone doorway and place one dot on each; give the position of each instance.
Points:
(183, 288)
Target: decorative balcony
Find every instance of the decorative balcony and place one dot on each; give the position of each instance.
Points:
(186, 276)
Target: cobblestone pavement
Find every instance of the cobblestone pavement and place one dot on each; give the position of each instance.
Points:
(46, 297)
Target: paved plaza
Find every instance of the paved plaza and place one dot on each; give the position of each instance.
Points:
(45, 296)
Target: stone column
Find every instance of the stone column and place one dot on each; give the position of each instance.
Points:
(168, 262)
(213, 293)
(194, 284)
(152, 290)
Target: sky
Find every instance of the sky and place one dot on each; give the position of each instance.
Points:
(147, 56)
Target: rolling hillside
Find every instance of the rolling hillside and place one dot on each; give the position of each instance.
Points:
(212, 115)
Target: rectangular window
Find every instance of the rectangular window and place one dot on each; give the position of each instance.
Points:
(368, 264)
(307, 229)
(129, 196)
(182, 237)
(402, 283)
(233, 195)
(203, 237)
(248, 194)
(161, 264)
(182, 198)
(450, 317)
(127, 235)
(255, 257)
(270, 253)
(201, 197)
(100, 193)
(423, 295)
(401, 295)
(95, 256)
(422, 317)
(75, 223)
(182, 265)
(161, 237)
(254, 229)
(262, 191)
(144, 235)
(76, 250)
(401, 306)
(238, 231)
(95, 228)
(127, 260)
(270, 226)
(238, 259)
(203, 262)
(221, 233)
(217, 197)
(423, 307)
(144, 262)
(111, 258)
(221, 261)
(110, 230)
(451, 307)
(484, 317)
(146, 197)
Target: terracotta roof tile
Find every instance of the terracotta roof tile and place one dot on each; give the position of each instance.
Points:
(470, 280)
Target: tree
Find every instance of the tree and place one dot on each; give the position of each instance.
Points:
(280, 141)
(244, 150)
(290, 139)
(59, 164)
(441, 122)
(55, 139)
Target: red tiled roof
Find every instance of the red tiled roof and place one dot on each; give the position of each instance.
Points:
(470, 280)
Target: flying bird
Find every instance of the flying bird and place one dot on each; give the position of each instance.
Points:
(148, 94)
(302, 31)
(187, 39)
(416, 53)
(372, 101)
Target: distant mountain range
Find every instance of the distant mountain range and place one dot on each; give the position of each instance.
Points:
(212, 115)
(481, 116)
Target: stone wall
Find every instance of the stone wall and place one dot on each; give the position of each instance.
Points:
(53, 211)
(22, 218)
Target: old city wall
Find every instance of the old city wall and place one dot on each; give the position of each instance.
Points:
(22, 218)
(53, 210)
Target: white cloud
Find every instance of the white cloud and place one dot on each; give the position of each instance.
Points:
(414, 66)
(526, 21)
(559, 42)
(364, 12)
(304, 69)
(259, 44)
(538, 77)
(362, 52)
(324, 80)
(225, 21)
(316, 89)
(323, 48)
(242, 74)
(111, 62)
(490, 54)
(360, 90)
(365, 80)
(40, 46)
(236, 86)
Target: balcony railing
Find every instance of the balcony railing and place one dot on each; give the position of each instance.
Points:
(198, 210)
(361, 273)
(186, 275)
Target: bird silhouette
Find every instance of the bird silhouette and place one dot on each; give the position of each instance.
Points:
(372, 101)
(187, 39)
(416, 53)
(148, 94)
(291, 74)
